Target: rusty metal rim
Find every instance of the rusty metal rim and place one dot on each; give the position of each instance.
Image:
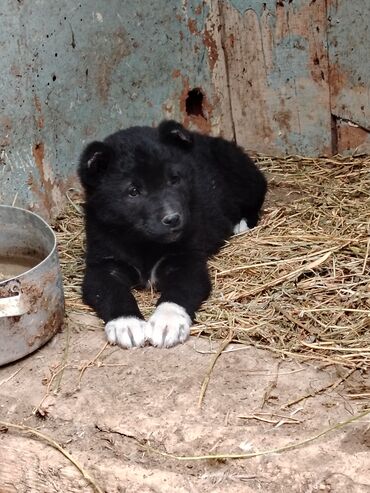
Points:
(47, 227)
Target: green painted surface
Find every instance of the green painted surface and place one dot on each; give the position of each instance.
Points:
(75, 71)
(71, 72)
(349, 55)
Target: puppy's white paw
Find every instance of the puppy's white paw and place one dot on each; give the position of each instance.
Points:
(169, 325)
(127, 332)
(241, 227)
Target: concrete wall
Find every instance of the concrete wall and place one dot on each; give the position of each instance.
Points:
(75, 71)
(280, 77)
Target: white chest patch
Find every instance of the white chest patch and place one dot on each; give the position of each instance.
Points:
(153, 274)
(169, 325)
(241, 227)
(127, 332)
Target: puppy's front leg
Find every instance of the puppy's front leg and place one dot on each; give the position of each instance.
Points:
(184, 283)
(107, 289)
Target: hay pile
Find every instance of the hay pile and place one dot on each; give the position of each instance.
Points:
(299, 283)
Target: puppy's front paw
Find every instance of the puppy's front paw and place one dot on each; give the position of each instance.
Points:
(127, 332)
(169, 325)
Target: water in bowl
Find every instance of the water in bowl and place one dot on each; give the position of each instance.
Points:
(13, 266)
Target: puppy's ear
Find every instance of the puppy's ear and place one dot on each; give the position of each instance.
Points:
(171, 132)
(93, 162)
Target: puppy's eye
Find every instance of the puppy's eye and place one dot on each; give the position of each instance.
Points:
(133, 191)
(174, 179)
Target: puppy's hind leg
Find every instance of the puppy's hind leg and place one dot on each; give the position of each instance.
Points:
(241, 227)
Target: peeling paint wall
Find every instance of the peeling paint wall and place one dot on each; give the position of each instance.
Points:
(72, 72)
(280, 77)
(349, 75)
(297, 73)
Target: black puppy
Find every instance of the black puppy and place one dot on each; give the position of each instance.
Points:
(159, 202)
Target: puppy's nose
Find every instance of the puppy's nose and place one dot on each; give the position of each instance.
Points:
(172, 220)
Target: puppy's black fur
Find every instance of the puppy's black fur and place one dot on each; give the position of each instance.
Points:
(159, 202)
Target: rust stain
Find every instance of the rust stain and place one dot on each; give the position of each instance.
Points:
(319, 68)
(192, 25)
(176, 73)
(198, 10)
(39, 118)
(30, 180)
(39, 154)
(37, 103)
(44, 195)
(49, 193)
(51, 327)
(316, 30)
(42, 300)
(41, 122)
(34, 294)
(210, 44)
(121, 49)
(6, 126)
(6, 122)
(231, 40)
(200, 122)
(283, 118)
(337, 80)
(310, 24)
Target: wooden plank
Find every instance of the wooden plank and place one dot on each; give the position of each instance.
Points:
(222, 123)
(349, 74)
(349, 67)
(278, 75)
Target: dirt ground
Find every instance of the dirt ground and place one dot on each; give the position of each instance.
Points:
(118, 413)
(107, 414)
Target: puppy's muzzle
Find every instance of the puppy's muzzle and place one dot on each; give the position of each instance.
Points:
(173, 221)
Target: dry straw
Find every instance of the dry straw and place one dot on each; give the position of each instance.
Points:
(298, 284)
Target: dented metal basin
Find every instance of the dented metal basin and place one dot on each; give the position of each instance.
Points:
(31, 291)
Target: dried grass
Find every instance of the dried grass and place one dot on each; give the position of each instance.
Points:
(299, 283)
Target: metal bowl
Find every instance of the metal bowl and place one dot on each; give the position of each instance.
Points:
(31, 290)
